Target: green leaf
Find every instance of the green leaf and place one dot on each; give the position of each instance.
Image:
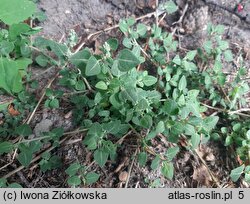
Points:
(177, 128)
(15, 11)
(14, 185)
(109, 148)
(93, 67)
(49, 92)
(218, 66)
(80, 86)
(10, 76)
(114, 101)
(223, 45)
(92, 178)
(151, 135)
(41, 60)
(46, 155)
(40, 15)
(50, 163)
(115, 71)
(101, 85)
(142, 158)
(247, 169)
(154, 96)
(91, 143)
(127, 42)
(141, 29)
(181, 100)
(32, 147)
(6, 47)
(189, 129)
(123, 26)
(228, 140)
(59, 49)
(210, 122)
(130, 21)
(73, 169)
(113, 43)
(236, 173)
(172, 152)
(95, 130)
(4, 106)
(191, 54)
(5, 147)
(16, 30)
(142, 104)
(100, 157)
(23, 63)
(247, 177)
(112, 127)
(177, 60)
(170, 7)
(80, 59)
(54, 103)
(219, 29)
(182, 83)
(170, 107)
(25, 158)
(189, 66)
(127, 60)
(237, 127)
(149, 80)
(215, 137)
(94, 133)
(228, 55)
(24, 130)
(3, 182)
(74, 181)
(56, 133)
(167, 170)
(146, 121)
(130, 95)
(247, 174)
(221, 79)
(248, 134)
(155, 163)
(208, 46)
(160, 128)
(195, 140)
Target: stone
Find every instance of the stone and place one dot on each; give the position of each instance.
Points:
(44, 126)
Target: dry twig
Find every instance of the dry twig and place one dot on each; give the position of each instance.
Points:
(130, 168)
(83, 41)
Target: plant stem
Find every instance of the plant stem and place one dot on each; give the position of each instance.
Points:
(34, 139)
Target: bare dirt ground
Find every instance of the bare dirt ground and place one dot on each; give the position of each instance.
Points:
(86, 17)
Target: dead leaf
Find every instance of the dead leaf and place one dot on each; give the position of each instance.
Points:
(202, 176)
(141, 4)
(122, 164)
(239, 160)
(210, 157)
(97, 47)
(68, 115)
(110, 20)
(205, 153)
(152, 4)
(123, 176)
(12, 111)
(247, 52)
